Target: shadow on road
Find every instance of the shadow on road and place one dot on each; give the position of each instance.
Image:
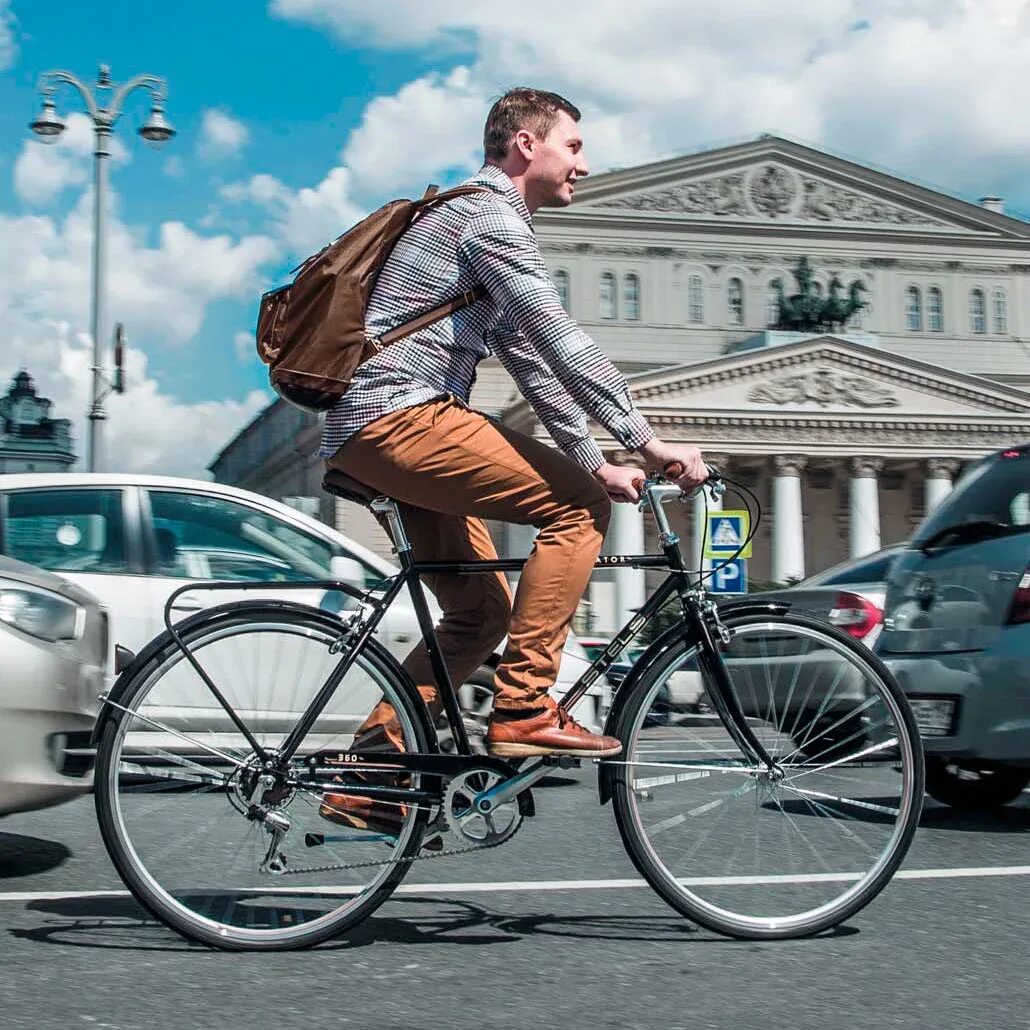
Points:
(120, 924)
(26, 856)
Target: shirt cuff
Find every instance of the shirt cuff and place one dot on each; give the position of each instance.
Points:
(634, 432)
(585, 452)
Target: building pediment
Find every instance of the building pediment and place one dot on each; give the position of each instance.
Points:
(774, 182)
(825, 375)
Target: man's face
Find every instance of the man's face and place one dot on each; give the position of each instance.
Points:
(556, 163)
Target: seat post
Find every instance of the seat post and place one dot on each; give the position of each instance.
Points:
(388, 506)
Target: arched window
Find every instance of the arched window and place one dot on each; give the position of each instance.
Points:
(913, 310)
(1000, 307)
(695, 300)
(735, 301)
(631, 297)
(934, 310)
(862, 318)
(561, 281)
(977, 312)
(608, 302)
(772, 301)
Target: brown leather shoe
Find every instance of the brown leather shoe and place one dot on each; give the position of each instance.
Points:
(549, 731)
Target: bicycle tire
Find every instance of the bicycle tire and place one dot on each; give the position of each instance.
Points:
(118, 779)
(855, 751)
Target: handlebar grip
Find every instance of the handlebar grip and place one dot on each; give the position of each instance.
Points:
(673, 469)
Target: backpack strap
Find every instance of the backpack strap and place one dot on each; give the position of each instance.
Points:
(430, 317)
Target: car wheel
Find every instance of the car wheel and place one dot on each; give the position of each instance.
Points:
(476, 696)
(974, 786)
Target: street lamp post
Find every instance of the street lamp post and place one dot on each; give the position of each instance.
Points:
(48, 126)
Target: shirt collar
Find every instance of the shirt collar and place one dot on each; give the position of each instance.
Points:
(493, 178)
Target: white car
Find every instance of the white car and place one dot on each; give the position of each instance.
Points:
(132, 540)
(53, 645)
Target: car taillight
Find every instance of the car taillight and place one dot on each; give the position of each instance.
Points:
(854, 614)
(1020, 611)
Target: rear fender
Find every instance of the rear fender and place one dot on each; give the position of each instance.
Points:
(659, 649)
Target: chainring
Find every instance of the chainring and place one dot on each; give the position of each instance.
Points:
(466, 822)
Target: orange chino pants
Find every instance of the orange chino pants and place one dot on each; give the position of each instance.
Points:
(449, 467)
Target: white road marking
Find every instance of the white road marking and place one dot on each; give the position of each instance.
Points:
(502, 886)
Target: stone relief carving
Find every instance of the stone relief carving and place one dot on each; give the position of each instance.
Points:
(829, 203)
(773, 191)
(824, 387)
(721, 195)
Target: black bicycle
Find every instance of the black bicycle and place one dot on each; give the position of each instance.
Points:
(769, 786)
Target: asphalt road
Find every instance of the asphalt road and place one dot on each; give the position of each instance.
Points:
(543, 932)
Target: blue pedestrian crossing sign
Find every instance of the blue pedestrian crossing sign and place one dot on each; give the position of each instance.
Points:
(725, 533)
(728, 577)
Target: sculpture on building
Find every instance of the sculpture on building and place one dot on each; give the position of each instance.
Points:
(807, 311)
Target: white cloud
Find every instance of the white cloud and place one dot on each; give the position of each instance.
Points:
(244, 345)
(304, 219)
(173, 167)
(924, 87)
(44, 170)
(433, 123)
(221, 135)
(160, 291)
(8, 47)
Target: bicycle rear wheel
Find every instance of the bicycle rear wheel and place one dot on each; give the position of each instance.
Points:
(176, 781)
(764, 856)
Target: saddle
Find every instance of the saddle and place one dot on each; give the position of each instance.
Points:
(339, 484)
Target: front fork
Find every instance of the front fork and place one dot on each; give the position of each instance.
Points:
(716, 635)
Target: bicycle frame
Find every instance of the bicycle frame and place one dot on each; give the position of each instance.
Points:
(701, 626)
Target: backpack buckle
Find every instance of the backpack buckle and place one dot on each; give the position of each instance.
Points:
(374, 342)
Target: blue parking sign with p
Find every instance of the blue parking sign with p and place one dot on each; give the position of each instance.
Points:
(728, 577)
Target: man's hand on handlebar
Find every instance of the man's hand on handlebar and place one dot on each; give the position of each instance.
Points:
(681, 463)
(622, 482)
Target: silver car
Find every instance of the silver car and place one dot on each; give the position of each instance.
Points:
(53, 645)
(957, 633)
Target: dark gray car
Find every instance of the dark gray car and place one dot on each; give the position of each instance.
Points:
(957, 633)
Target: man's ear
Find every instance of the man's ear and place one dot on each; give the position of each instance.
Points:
(525, 142)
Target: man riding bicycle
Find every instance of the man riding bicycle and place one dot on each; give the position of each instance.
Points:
(405, 429)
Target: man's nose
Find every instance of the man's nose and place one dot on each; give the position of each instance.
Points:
(582, 167)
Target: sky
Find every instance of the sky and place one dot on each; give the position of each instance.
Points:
(297, 117)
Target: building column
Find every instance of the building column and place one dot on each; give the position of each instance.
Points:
(627, 537)
(788, 530)
(937, 485)
(864, 508)
(699, 506)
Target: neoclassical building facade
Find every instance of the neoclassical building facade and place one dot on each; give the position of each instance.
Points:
(847, 438)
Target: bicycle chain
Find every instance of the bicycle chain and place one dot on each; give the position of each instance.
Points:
(421, 857)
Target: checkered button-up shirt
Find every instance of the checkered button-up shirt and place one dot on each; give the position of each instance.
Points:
(484, 239)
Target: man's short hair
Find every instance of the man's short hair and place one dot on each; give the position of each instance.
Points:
(522, 108)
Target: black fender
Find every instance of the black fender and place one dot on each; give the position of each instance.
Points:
(161, 642)
(673, 636)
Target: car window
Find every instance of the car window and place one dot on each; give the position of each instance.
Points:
(66, 530)
(997, 490)
(204, 537)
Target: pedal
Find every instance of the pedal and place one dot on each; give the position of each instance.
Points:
(562, 761)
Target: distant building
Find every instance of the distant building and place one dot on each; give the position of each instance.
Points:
(30, 440)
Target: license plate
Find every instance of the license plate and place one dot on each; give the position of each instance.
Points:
(934, 715)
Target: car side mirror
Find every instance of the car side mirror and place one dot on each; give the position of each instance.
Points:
(347, 570)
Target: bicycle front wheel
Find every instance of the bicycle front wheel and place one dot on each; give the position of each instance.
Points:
(756, 854)
(182, 797)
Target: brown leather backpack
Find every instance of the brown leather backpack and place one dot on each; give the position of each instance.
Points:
(311, 332)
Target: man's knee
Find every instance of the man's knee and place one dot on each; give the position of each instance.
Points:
(494, 614)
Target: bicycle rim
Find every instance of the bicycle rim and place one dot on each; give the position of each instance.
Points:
(757, 855)
(174, 800)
